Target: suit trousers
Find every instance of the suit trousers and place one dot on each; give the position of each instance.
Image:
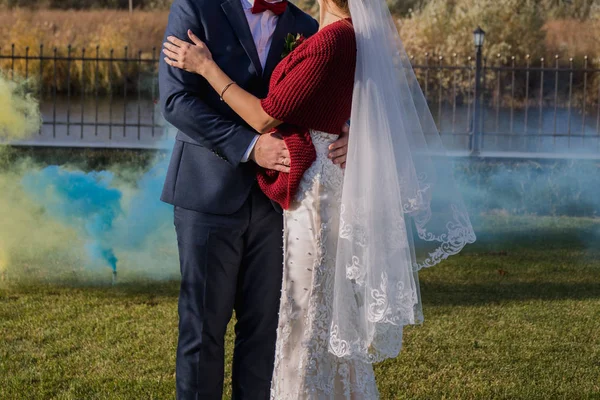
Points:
(228, 262)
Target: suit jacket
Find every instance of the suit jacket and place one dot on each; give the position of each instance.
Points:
(205, 173)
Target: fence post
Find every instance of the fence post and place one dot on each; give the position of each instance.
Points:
(478, 36)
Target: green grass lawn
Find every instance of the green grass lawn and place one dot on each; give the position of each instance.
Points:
(516, 316)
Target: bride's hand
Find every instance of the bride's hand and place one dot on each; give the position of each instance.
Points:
(194, 58)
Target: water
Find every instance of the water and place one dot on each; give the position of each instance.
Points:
(114, 123)
(533, 132)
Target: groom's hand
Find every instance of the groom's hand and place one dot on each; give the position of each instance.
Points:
(339, 149)
(270, 152)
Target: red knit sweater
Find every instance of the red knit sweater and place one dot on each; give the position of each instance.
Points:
(310, 89)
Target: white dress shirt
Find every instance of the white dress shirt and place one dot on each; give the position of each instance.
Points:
(262, 26)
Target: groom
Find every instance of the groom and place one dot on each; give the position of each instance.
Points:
(229, 234)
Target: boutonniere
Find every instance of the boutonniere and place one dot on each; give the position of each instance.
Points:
(291, 42)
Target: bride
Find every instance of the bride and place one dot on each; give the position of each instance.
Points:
(350, 240)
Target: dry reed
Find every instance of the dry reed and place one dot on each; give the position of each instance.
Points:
(141, 32)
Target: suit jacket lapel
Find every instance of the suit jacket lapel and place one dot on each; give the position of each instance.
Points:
(285, 24)
(235, 13)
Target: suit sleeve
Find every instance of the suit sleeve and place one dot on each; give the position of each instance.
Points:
(181, 96)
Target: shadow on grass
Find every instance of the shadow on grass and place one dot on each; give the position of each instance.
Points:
(476, 294)
(434, 293)
(531, 246)
(153, 289)
(527, 237)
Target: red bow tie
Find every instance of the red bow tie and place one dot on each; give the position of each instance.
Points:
(262, 6)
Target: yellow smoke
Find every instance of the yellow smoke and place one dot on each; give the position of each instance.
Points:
(35, 246)
(19, 117)
(3, 263)
(27, 237)
(19, 111)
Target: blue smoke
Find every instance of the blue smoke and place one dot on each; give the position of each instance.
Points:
(82, 200)
(145, 213)
(93, 205)
(523, 187)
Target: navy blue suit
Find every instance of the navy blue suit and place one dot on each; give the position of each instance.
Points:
(229, 234)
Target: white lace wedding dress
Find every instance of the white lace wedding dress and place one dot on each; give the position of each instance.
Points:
(304, 368)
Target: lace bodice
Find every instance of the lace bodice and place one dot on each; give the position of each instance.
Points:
(304, 367)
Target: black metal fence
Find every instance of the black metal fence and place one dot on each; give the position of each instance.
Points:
(90, 98)
(486, 107)
(503, 106)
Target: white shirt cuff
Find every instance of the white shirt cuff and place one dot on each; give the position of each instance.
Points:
(250, 148)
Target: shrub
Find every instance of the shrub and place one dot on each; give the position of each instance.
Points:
(82, 30)
(86, 4)
(514, 27)
(580, 9)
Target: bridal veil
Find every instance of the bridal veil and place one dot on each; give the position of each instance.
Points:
(401, 210)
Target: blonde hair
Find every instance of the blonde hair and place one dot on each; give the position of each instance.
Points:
(342, 5)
